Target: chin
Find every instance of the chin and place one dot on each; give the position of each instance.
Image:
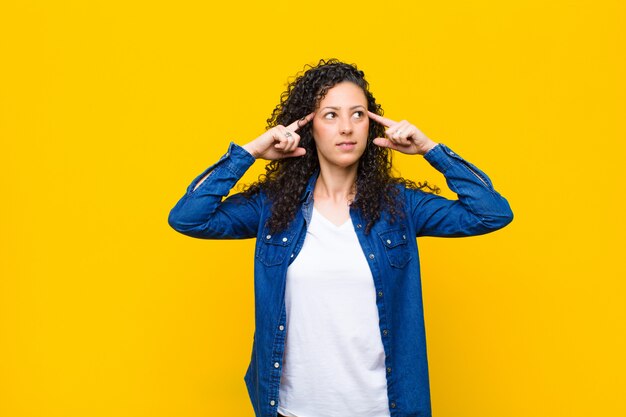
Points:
(346, 161)
(342, 159)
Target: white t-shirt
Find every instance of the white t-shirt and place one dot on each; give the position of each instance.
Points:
(334, 362)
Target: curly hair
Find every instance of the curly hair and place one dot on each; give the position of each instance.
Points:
(285, 180)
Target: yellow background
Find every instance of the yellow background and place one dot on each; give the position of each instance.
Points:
(108, 109)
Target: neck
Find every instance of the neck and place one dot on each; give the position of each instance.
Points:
(336, 183)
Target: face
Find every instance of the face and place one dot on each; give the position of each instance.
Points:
(341, 125)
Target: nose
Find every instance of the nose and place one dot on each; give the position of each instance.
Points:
(345, 127)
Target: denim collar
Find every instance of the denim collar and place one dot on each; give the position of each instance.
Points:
(307, 196)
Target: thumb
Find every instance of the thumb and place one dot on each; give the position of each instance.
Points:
(385, 143)
(296, 152)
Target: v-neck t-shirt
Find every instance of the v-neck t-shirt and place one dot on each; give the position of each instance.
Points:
(334, 362)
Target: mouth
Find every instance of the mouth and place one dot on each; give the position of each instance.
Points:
(346, 146)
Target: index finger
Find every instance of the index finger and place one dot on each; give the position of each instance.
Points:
(301, 122)
(380, 119)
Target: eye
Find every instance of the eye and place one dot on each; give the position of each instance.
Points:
(330, 115)
(358, 114)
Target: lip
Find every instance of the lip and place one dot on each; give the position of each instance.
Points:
(347, 145)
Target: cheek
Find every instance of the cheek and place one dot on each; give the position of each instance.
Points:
(363, 129)
(322, 132)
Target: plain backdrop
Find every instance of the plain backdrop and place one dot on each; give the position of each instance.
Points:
(108, 109)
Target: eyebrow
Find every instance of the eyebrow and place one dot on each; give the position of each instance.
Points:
(338, 108)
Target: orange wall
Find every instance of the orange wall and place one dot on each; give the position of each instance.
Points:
(109, 109)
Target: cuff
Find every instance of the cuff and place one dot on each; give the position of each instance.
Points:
(238, 160)
(439, 157)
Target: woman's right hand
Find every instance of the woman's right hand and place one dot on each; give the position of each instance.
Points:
(279, 142)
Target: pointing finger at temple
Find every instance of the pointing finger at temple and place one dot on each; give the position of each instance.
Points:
(300, 122)
(380, 119)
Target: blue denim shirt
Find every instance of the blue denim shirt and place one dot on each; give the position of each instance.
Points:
(390, 249)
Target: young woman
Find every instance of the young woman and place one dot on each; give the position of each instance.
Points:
(338, 303)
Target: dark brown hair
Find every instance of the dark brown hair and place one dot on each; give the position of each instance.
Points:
(285, 180)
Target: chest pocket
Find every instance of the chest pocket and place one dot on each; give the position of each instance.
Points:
(396, 246)
(272, 249)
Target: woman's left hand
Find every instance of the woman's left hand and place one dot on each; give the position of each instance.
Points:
(402, 136)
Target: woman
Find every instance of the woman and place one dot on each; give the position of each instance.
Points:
(338, 303)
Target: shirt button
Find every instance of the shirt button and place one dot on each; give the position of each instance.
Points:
(284, 239)
(359, 225)
(393, 405)
(380, 293)
(371, 256)
(292, 255)
(281, 327)
(272, 403)
(385, 332)
(388, 370)
(388, 242)
(276, 364)
(268, 237)
(404, 237)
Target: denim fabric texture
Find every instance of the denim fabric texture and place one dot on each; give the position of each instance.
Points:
(390, 249)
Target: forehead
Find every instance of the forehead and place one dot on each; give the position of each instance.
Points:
(344, 94)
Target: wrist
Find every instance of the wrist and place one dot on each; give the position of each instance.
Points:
(427, 147)
(251, 150)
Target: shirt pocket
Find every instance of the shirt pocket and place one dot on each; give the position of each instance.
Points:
(396, 246)
(272, 248)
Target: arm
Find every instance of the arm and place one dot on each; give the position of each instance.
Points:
(201, 213)
(479, 209)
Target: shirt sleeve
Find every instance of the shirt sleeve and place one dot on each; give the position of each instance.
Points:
(479, 208)
(204, 213)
